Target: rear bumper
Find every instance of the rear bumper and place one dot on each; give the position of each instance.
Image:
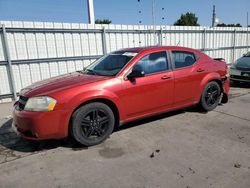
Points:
(41, 125)
(226, 88)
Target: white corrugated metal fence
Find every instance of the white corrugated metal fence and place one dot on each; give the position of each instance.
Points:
(32, 51)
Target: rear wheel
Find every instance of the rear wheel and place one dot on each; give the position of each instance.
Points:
(92, 123)
(210, 96)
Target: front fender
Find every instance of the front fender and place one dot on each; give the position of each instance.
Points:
(71, 103)
(86, 96)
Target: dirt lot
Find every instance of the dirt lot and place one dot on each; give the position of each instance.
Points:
(185, 149)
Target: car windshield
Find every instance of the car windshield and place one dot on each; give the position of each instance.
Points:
(111, 64)
(243, 62)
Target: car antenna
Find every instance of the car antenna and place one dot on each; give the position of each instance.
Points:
(178, 43)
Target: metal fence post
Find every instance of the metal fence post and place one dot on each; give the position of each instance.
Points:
(204, 40)
(213, 42)
(234, 43)
(247, 38)
(104, 43)
(9, 64)
(160, 37)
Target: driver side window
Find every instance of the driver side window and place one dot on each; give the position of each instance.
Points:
(153, 63)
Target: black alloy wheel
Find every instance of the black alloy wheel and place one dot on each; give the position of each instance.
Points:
(211, 96)
(92, 123)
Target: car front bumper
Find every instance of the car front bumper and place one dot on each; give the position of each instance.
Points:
(41, 125)
(240, 76)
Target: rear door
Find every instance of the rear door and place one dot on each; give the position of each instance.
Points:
(188, 73)
(152, 92)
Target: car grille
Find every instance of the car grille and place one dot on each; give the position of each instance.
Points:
(22, 102)
(243, 68)
(240, 77)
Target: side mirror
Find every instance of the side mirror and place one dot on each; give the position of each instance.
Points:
(136, 73)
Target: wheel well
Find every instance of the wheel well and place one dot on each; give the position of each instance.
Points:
(215, 80)
(218, 82)
(109, 103)
(224, 96)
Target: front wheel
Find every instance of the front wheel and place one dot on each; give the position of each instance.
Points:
(92, 123)
(210, 96)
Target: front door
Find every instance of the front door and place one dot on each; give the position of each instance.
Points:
(154, 91)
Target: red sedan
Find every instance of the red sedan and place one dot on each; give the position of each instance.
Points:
(122, 86)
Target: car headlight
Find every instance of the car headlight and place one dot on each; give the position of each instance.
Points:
(40, 104)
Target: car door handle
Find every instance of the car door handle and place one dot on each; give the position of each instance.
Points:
(165, 77)
(200, 70)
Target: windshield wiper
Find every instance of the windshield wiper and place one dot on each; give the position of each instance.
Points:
(92, 71)
(80, 71)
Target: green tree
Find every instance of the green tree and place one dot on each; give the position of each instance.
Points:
(103, 21)
(188, 19)
(228, 25)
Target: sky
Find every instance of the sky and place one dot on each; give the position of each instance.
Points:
(124, 11)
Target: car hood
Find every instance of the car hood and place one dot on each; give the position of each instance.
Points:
(59, 83)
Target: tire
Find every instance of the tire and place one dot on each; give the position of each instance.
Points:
(92, 123)
(210, 97)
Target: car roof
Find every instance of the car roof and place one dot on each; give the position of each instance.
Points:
(152, 48)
